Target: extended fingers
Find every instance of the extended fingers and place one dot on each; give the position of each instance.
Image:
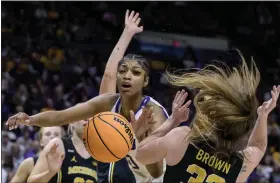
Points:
(180, 98)
(11, 122)
(135, 17)
(152, 119)
(126, 15)
(62, 156)
(53, 148)
(132, 116)
(131, 15)
(278, 88)
(276, 91)
(150, 112)
(183, 98)
(176, 96)
(138, 21)
(186, 105)
(147, 115)
(263, 106)
(273, 96)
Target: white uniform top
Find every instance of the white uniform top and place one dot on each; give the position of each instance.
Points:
(140, 172)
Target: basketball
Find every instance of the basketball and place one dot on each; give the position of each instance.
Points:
(108, 137)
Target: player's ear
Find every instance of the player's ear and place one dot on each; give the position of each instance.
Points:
(146, 81)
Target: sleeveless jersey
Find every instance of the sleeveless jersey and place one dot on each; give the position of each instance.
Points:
(74, 167)
(118, 172)
(140, 172)
(199, 165)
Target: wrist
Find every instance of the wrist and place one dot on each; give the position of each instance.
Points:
(262, 117)
(128, 32)
(173, 121)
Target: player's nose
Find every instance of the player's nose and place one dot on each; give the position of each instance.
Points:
(127, 76)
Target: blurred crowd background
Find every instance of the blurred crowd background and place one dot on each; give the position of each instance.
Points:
(53, 56)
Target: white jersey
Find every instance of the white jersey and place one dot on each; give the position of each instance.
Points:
(140, 172)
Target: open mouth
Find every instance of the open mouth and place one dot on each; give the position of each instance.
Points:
(126, 85)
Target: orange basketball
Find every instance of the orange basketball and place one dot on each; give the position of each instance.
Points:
(108, 137)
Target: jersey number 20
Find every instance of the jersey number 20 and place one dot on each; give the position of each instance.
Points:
(202, 175)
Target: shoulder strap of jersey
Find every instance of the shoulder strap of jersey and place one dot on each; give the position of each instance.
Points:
(67, 142)
(116, 107)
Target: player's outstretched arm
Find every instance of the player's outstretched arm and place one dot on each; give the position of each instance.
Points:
(108, 82)
(49, 162)
(58, 118)
(257, 142)
(23, 171)
(159, 141)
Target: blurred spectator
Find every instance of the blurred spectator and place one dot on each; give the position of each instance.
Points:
(6, 143)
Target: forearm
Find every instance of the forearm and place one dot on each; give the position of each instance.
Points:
(258, 136)
(108, 83)
(46, 119)
(150, 146)
(166, 127)
(118, 51)
(155, 169)
(42, 177)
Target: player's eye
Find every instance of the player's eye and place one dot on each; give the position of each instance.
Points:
(56, 134)
(121, 71)
(47, 134)
(136, 73)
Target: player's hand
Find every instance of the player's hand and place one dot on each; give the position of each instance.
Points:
(132, 21)
(54, 159)
(180, 112)
(19, 118)
(268, 106)
(144, 122)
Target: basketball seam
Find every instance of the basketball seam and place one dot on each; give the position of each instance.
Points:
(103, 141)
(116, 130)
(112, 113)
(125, 120)
(88, 143)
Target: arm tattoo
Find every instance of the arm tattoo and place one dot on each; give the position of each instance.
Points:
(243, 169)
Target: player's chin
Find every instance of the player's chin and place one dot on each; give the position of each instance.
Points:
(127, 93)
